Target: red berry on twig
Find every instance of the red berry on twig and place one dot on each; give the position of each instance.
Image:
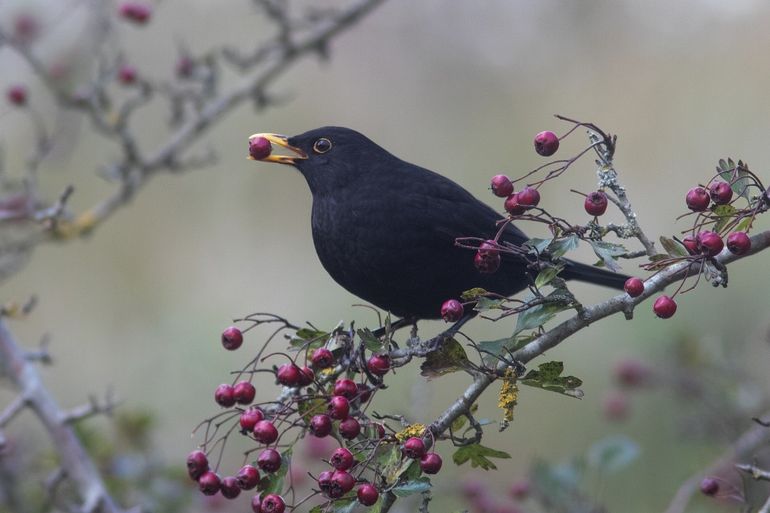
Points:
(209, 483)
(720, 192)
(232, 338)
(664, 307)
(501, 186)
(697, 199)
(596, 203)
(546, 143)
(137, 12)
(414, 448)
(320, 425)
(431, 463)
(224, 395)
(634, 287)
(367, 494)
(738, 243)
(528, 197)
(378, 364)
(269, 460)
(710, 243)
(452, 310)
(197, 464)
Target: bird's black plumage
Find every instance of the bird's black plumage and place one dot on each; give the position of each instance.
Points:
(385, 229)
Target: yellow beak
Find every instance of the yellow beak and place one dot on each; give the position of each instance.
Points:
(282, 141)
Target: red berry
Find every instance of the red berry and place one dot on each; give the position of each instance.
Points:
(137, 12)
(452, 310)
(367, 494)
(289, 375)
(256, 504)
(273, 503)
(249, 418)
(487, 262)
(230, 488)
(322, 358)
(596, 203)
(184, 67)
(709, 486)
(414, 448)
(546, 143)
(325, 481)
(364, 392)
(528, 197)
(259, 148)
(349, 428)
(232, 338)
(720, 192)
(269, 460)
(209, 483)
(306, 376)
(17, 95)
(378, 364)
(431, 463)
(224, 395)
(25, 28)
(710, 243)
(320, 425)
(691, 245)
(346, 388)
(519, 490)
(502, 186)
(127, 74)
(341, 483)
(664, 307)
(378, 430)
(631, 373)
(634, 287)
(339, 407)
(248, 477)
(615, 406)
(738, 243)
(265, 432)
(342, 459)
(697, 199)
(512, 205)
(197, 464)
(244, 392)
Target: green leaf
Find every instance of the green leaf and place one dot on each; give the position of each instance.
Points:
(308, 337)
(729, 171)
(547, 275)
(538, 245)
(478, 455)
(538, 315)
(725, 213)
(419, 485)
(609, 253)
(486, 303)
(473, 294)
(559, 247)
(548, 377)
(371, 342)
(273, 483)
(449, 357)
(672, 247)
(743, 225)
(495, 348)
(612, 453)
(344, 505)
(309, 407)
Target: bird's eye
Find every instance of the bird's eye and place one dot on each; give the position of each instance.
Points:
(322, 145)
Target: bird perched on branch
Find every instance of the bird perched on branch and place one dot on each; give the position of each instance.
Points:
(385, 229)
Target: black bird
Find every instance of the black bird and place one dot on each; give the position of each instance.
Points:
(385, 229)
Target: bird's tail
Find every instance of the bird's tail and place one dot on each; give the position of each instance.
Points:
(591, 274)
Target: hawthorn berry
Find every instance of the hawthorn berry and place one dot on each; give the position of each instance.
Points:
(367, 494)
(322, 358)
(710, 243)
(209, 483)
(230, 488)
(709, 486)
(721, 193)
(17, 95)
(320, 425)
(349, 428)
(259, 148)
(244, 392)
(528, 197)
(378, 364)
(697, 199)
(341, 483)
(487, 263)
(512, 205)
(306, 376)
(127, 74)
(137, 12)
(546, 143)
(615, 406)
(197, 464)
(596, 203)
(248, 477)
(738, 243)
(634, 287)
(691, 245)
(289, 375)
(342, 459)
(265, 432)
(452, 310)
(664, 307)
(232, 338)
(431, 463)
(414, 448)
(256, 503)
(269, 460)
(346, 388)
(364, 392)
(249, 418)
(631, 373)
(377, 430)
(325, 481)
(273, 503)
(224, 395)
(520, 489)
(502, 186)
(339, 407)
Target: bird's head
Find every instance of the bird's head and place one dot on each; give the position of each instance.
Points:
(329, 158)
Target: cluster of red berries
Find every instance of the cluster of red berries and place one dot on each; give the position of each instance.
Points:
(135, 12)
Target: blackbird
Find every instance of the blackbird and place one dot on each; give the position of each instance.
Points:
(385, 229)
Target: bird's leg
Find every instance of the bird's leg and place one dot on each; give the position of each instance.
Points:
(397, 325)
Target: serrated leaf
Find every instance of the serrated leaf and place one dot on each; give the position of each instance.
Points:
(672, 247)
(729, 171)
(478, 455)
(538, 245)
(609, 253)
(547, 275)
(724, 213)
(371, 342)
(419, 485)
(485, 303)
(449, 357)
(612, 453)
(494, 348)
(273, 483)
(538, 315)
(559, 247)
(308, 337)
(344, 505)
(548, 377)
(473, 294)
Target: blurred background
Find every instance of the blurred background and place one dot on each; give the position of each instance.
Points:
(457, 87)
